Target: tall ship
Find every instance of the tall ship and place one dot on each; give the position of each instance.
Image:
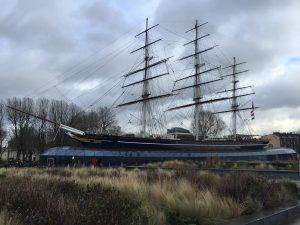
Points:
(144, 77)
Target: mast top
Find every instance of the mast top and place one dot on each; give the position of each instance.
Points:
(147, 29)
(196, 26)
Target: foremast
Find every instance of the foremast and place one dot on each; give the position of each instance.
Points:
(146, 96)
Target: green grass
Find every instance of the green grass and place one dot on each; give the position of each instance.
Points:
(116, 196)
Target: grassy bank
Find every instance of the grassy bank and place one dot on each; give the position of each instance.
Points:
(117, 196)
(215, 162)
(8, 219)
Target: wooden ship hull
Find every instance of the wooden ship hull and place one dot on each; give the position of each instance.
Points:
(158, 144)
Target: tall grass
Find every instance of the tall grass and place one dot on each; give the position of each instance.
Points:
(216, 162)
(117, 196)
(7, 219)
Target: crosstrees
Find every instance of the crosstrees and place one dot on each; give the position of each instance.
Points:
(197, 53)
(147, 29)
(144, 99)
(234, 74)
(196, 26)
(206, 71)
(146, 45)
(196, 39)
(141, 81)
(237, 64)
(147, 67)
(239, 109)
(208, 101)
(199, 84)
(240, 88)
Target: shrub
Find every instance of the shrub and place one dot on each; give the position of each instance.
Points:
(202, 180)
(116, 196)
(65, 202)
(251, 205)
(7, 219)
(245, 186)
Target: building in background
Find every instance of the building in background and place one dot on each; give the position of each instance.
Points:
(180, 133)
(287, 140)
(11, 154)
(8, 153)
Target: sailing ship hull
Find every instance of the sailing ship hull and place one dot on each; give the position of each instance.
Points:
(151, 144)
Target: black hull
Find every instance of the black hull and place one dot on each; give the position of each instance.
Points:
(150, 144)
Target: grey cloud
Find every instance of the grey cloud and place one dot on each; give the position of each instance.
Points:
(256, 31)
(280, 91)
(35, 24)
(40, 40)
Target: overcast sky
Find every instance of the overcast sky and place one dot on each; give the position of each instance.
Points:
(77, 50)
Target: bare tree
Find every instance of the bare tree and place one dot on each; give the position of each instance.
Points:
(75, 116)
(29, 134)
(102, 121)
(62, 112)
(58, 112)
(106, 120)
(42, 110)
(90, 122)
(210, 125)
(3, 132)
(22, 125)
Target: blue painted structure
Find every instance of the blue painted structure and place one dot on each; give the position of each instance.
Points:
(62, 156)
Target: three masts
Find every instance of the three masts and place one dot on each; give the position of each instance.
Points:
(198, 100)
(146, 143)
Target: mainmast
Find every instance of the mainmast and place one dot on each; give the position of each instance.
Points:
(197, 77)
(197, 81)
(146, 93)
(234, 105)
(146, 96)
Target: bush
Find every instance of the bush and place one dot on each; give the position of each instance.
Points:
(116, 196)
(65, 202)
(251, 205)
(7, 219)
(251, 190)
(202, 180)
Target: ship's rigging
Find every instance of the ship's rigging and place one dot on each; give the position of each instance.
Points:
(146, 95)
(198, 100)
(144, 77)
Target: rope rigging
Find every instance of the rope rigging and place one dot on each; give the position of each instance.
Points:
(157, 118)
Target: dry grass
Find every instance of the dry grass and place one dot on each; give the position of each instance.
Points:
(158, 197)
(215, 162)
(7, 219)
(174, 164)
